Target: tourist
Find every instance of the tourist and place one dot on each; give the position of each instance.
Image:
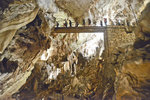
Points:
(77, 24)
(101, 23)
(128, 24)
(70, 23)
(57, 24)
(65, 24)
(83, 22)
(105, 21)
(119, 22)
(89, 21)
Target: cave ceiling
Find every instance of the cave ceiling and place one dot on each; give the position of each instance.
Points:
(28, 49)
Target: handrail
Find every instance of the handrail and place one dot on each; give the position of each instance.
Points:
(88, 29)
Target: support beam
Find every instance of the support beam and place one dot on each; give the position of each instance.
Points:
(86, 29)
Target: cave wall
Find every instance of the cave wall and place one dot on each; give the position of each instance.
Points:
(128, 65)
(116, 10)
(117, 37)
(23, 38)
(20, 56)
(133, 77)
(26, 47)
(84, 84)
(14, 16)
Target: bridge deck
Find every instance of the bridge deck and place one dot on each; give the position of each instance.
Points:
(88, 29)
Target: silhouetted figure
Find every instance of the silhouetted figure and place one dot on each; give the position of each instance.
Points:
(77, 24)
(89, 21)
(128, 24)
(70, 23)
(57, 24)
(65, 24)
(118, 23)
(83, 22)
(105, 21)
(101, 23)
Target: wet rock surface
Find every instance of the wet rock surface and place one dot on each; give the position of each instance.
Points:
(20, 56)
(16, 15)
(84, 85)
(64, 72)
(131, 67)
(8, 66)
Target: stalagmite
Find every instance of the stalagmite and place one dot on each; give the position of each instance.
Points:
(74, 49)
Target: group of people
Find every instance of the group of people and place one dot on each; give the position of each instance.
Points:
(66, 24)
(119, 23)
(102, 23)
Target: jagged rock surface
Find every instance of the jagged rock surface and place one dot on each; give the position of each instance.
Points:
(130, 65)
(85, 84)
(133, 79)
(14, 16)
(124, 75)
(18, 60)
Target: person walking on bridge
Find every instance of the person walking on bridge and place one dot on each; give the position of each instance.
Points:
(89, 21)
(70, 23)
(101, 23)
(57, 24)
(65, 24)
(128, 24)
(105, 21)
(83, 21)
(77, 24)
(118, 22)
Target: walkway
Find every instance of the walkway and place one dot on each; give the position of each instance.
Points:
(85, 29)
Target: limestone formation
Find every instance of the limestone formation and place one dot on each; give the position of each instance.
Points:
(14, 17)
(132, 79)
(36, 64)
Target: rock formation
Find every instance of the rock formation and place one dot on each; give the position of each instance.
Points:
(26, 46)
(132, 78)
(37, 64)
(14, 17)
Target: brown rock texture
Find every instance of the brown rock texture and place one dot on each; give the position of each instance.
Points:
(14, 17)
(85, 84)
(77, 8)
(25, 36)
(118, 37)
(116, 10)
(130, 66)
(18, 60)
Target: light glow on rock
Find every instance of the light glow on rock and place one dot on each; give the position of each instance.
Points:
(92, 41)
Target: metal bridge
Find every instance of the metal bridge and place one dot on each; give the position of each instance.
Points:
(93, 29)
(85, 29)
